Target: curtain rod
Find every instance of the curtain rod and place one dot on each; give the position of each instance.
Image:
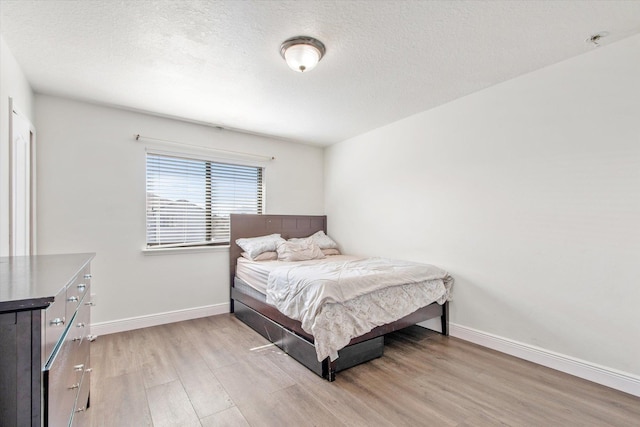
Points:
(237, 153)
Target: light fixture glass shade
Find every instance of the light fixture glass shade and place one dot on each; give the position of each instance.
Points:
(302, 53)
(302, 57)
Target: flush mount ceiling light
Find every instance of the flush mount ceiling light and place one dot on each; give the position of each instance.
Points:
(302, 53)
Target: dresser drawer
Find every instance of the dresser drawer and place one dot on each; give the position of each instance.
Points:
(80, 417)
(76, 291)
(54, 324)
(79, 328)
(62, 376)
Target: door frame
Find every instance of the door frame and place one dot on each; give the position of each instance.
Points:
(15, 111)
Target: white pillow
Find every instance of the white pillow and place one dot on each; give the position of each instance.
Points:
(299, 250)
(320, 239)
(328, 252)
(324, 241)
(254, 246)
(264, 256)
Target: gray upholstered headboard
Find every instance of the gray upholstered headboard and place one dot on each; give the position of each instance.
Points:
(289, 226)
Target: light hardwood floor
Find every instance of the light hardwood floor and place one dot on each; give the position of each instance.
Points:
(217, 372)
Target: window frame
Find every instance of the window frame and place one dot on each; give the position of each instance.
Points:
(197, 155)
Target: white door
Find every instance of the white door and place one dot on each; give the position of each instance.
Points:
(22, 184)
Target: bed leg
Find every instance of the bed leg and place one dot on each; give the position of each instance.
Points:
(444, 319)
(332, 371)
(231, 307)
(329, 369)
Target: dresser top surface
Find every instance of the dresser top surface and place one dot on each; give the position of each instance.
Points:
(32, 282)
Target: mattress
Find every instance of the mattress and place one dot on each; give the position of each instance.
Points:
(256, 273)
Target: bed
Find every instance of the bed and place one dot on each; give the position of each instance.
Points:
(249, 303)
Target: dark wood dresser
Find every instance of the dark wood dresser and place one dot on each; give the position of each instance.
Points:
(45, 313)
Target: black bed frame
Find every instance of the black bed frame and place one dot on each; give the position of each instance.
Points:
(287, 333)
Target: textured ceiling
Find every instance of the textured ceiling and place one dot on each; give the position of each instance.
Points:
(218, 62)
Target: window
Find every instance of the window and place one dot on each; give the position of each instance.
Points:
(189, 200)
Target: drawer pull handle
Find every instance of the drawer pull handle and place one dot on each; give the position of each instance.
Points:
(57, 321)
(79, 367)
(74, 339)
(82, 286)
(88, 370)
(81, 409)
(72, 299)
(75, 386)
(92, 338)
(88, 276)
(80, 325)
(91, 303)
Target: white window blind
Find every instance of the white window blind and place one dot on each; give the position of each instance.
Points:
(189, 200)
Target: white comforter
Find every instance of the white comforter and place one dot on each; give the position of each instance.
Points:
(337, 301)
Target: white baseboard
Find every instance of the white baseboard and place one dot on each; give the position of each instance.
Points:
(618, 380)
(122, 325)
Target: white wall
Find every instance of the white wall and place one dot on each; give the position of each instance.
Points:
(527, 192)
(91, 198)
(13, 84)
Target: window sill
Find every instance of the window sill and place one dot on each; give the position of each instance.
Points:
(193, 249)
